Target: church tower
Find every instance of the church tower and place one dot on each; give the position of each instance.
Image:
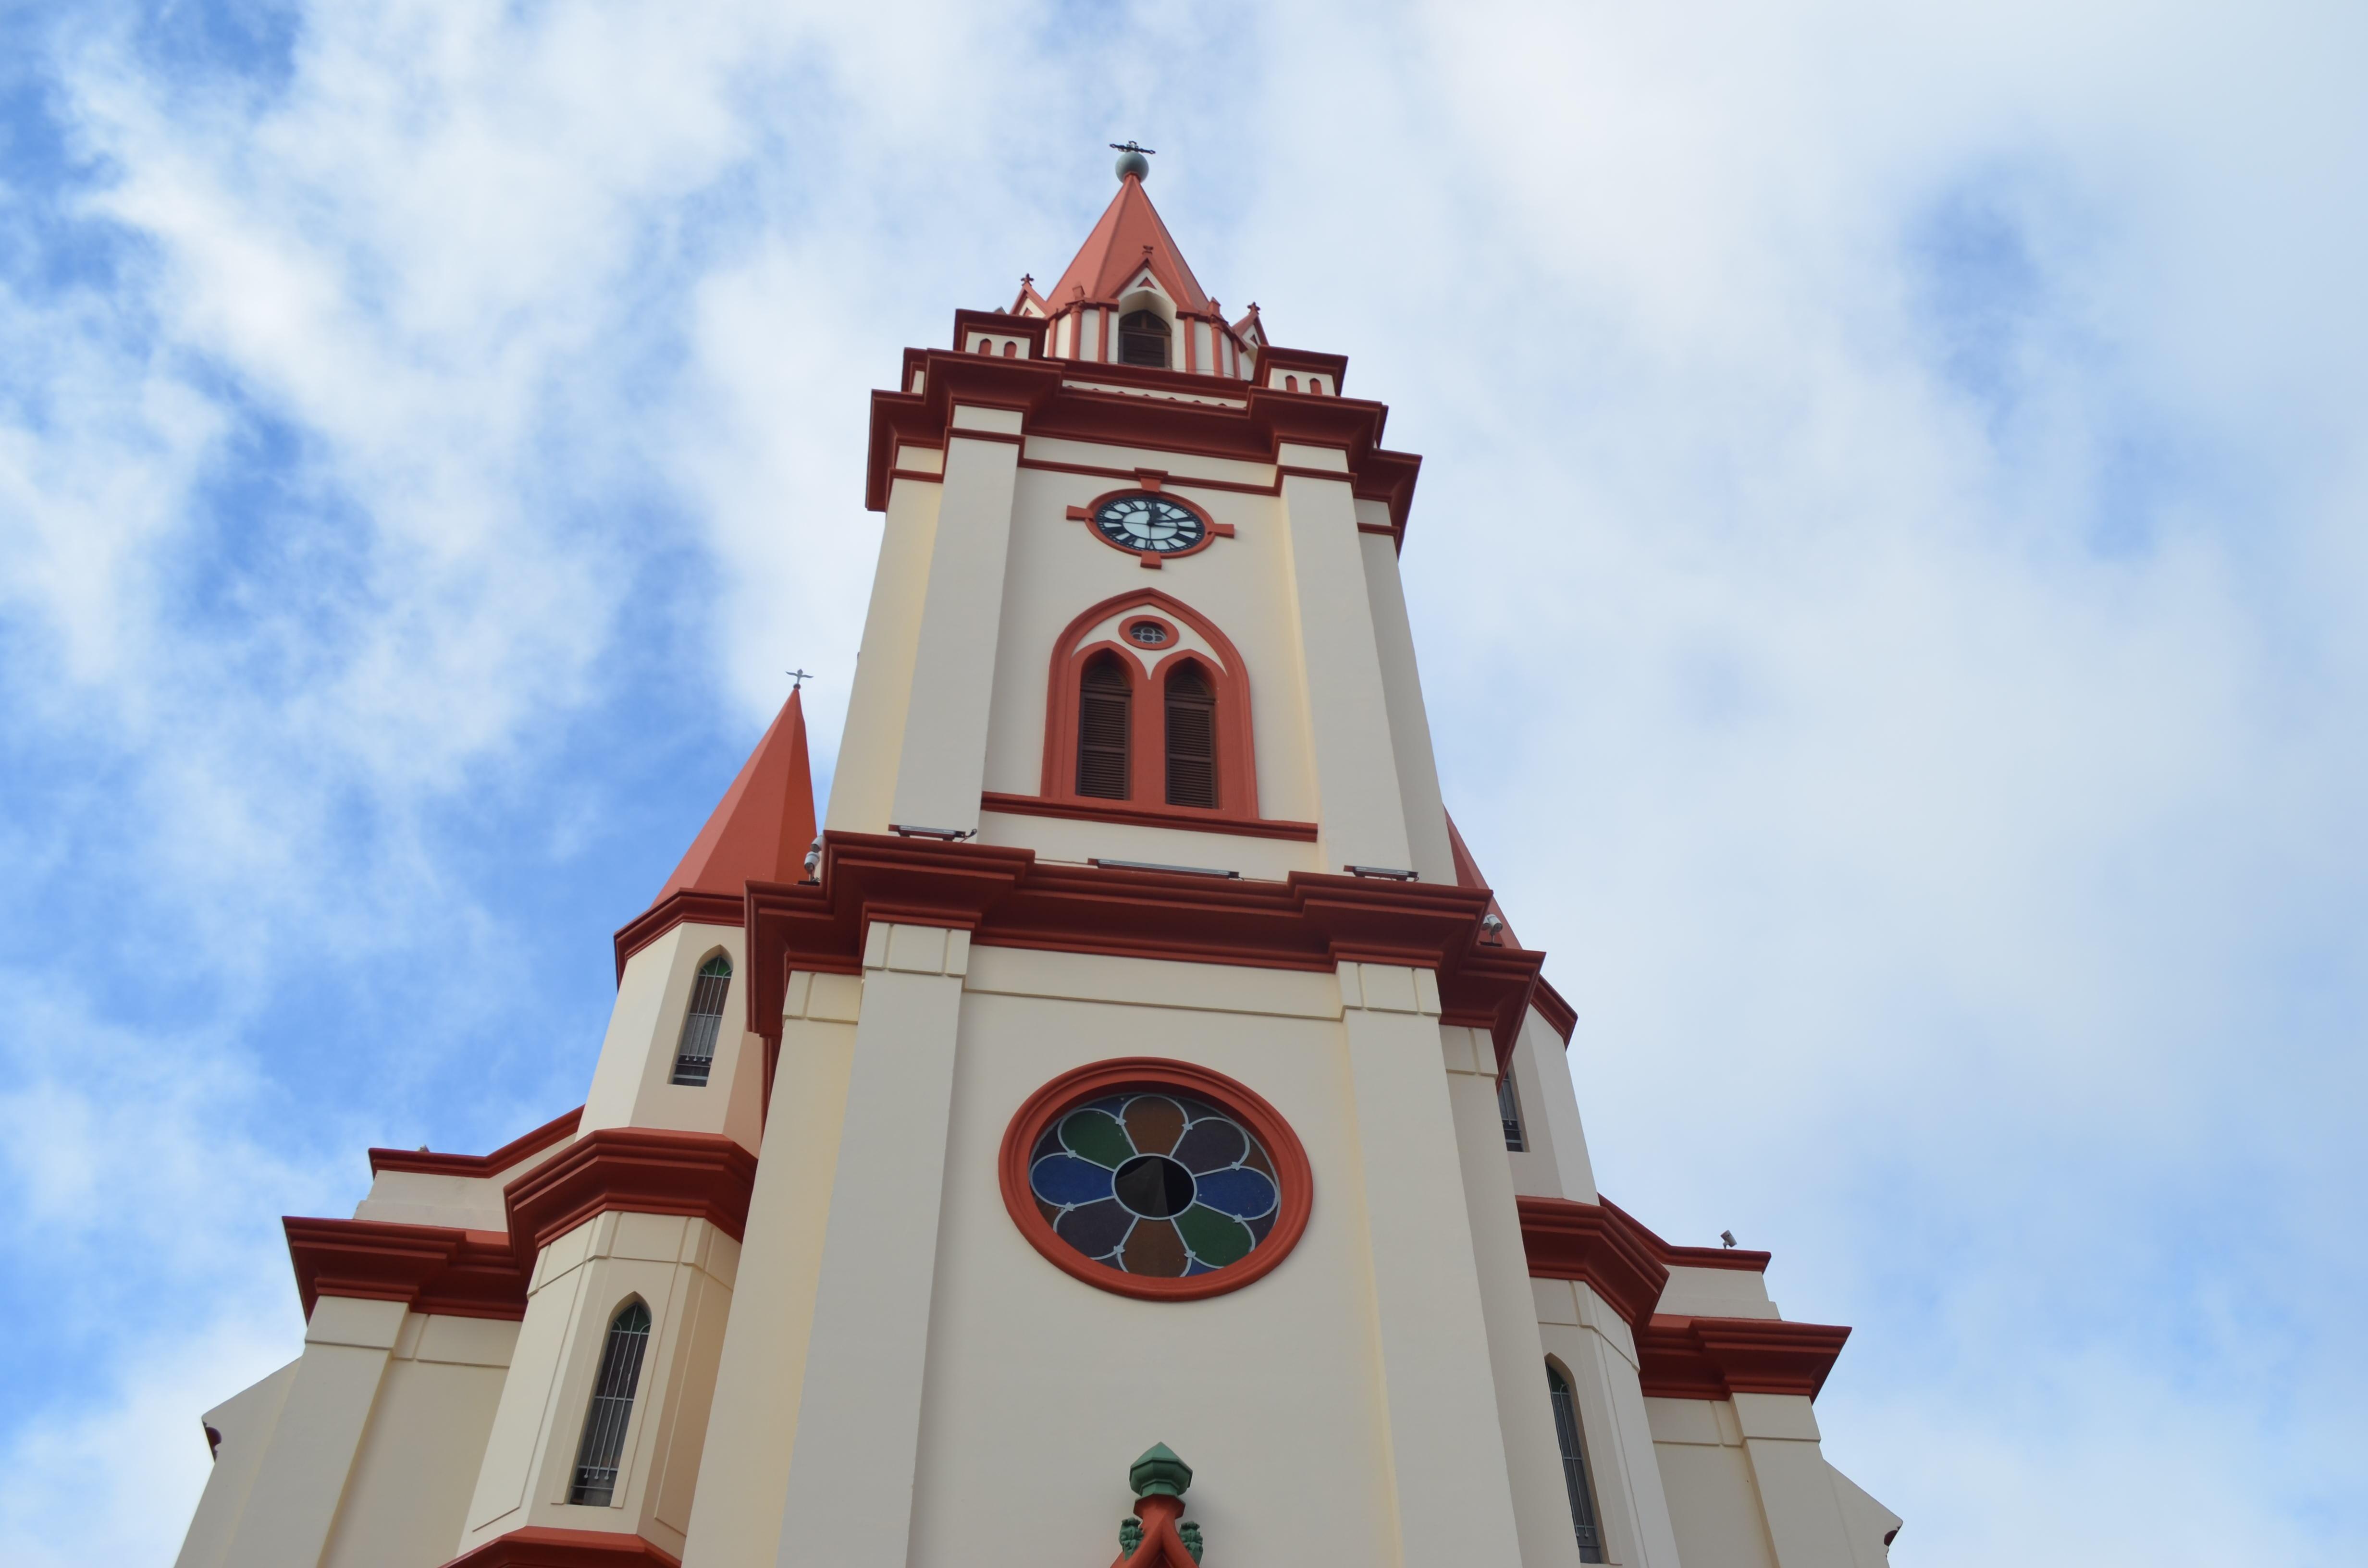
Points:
(1128, 1131)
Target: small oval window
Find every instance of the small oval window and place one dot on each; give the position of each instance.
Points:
(1150, 633)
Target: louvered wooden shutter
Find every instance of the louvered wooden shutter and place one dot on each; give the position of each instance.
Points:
(1191, 740)
(1102, 730)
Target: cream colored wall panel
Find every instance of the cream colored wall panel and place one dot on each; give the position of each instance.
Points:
(1516, 1354)
(466, 1342)
(1542, 1076)
(850, 1477)
(412, 1478)
(863, 782)
(1802, 1512)
(1180, 467)
(940, 767)
(1599, 1357)
(1042, 1388)
(1418, 769)
(246, 1421)
(1079, 840)
(1715, 1509)
(302, 1474)
(1152, 983)
(1361, 815)
(1716, 1293)
(1870, 1524)
(735, 1519)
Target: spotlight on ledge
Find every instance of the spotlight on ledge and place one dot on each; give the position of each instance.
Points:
(950, 835)
(1726, 1238)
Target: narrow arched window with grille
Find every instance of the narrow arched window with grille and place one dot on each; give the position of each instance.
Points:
(1573, 1466)
(603, 1447)
(1192, 738)
(696, 1055)
(1142, 338)
(1102, 719)
(1509, 1111)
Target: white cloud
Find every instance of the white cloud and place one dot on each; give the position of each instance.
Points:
(1887, 570)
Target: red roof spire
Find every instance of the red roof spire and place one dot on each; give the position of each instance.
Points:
(1129, 238)
(760, 830)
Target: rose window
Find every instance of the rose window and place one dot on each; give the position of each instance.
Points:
(1155, 1184)
(1156, 1178)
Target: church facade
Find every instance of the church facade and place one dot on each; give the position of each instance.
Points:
(1127, 1131)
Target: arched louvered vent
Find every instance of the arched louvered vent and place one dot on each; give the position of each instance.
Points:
(1143, 339)
(1102, 698)
(598, 1456)
(696, 1055)
(1192, 738)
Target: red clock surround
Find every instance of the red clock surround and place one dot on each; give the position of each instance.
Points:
(1237, 1100)
(1211, 530)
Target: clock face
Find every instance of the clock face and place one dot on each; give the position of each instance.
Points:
(1144, 521)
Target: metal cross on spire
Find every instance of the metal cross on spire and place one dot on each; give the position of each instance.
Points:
(797, 679)
(1132, 159)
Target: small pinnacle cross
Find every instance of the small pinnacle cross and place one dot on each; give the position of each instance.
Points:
(1026, 280)
(798, 679)
(1131, 147)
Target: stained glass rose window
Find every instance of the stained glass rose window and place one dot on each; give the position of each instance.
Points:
(1156, 1178)
(1154, 1183)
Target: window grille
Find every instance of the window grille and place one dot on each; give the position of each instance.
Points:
(1143, 339)
(696, 1054)
(603, 1447)
(1508, 1107)
(1103, 699)
(1191, 739)
(1574, 1466)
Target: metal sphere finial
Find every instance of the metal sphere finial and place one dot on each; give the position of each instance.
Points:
(1132, 160)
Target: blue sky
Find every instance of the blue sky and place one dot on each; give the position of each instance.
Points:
(1889, 571)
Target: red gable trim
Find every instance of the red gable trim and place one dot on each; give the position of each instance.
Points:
(558, 1130)
(1742, 1258)
(437, 1269)
(637, 1170)
(540, 1546)
(1004, 897)
(429, 1268)
(1585, 1242)
(1691, 1357)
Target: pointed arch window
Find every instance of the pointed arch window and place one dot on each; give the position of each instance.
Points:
(1103, 703)
(1509, 1111)
(1143, 339)
(1573, 1466)
(695, 1056)
(1191, 737)
(603, 1447)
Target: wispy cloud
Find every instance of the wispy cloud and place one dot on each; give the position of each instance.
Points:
(1888, 572)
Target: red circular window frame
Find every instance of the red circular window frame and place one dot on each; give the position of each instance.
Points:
(1208, 524)
(1237, 1100)
(1169, 639)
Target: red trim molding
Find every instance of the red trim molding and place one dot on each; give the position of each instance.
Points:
(634, 1170)
(1559, 1015)
(1147, 741)
(1236, 1099)
(540, 1546)
(1691, 1357)
(686, 906)
(1004, 897)
(1588, 1241)
(1740, 1258)
(429, 1268)
(1182, 817)
(558, 1130)
(435, 1268)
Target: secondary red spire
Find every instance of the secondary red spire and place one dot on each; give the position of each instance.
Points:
(1129, 238)
(760, 832)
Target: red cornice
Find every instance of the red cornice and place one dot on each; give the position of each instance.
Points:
(1559, 1015)
(1588, 1241)
(637, 1170)
(1034, 387)
(538, 1546)
(558, 1130)
(1004, 897)
(429, 1268)
(1180, 817)
(1740, 1258)
(437, 1269)
(1695, 1357)
(686, 906)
